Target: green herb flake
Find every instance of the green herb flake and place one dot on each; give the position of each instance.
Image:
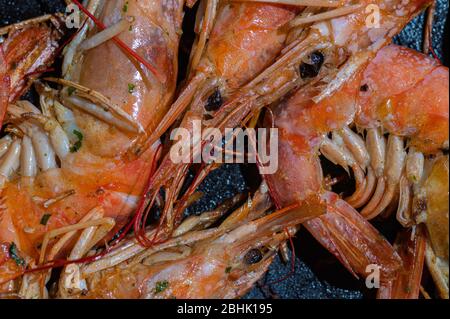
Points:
(78, 134)
(130, 28)
(131, 87)
(13, 253)
(45, 218)
(228, 270)
(77, 145)
(161, 286)
(125, 7)
(71, 90)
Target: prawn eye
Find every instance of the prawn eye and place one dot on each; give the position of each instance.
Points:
(253, 256)
(312, 70)
(214, 101)
(364, 88)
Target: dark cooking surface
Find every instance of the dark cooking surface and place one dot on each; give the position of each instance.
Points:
(317, 274)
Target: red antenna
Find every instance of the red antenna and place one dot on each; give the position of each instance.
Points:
(292, 271)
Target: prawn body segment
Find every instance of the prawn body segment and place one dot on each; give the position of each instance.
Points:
(378, 131)
(61, 167)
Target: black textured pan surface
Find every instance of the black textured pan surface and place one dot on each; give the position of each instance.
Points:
(316, 273)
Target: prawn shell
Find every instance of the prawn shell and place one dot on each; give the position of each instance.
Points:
(4, 86)
(154, 35)
(407, 93)
(26, 51)
(245, 38)
(95, 172)
(114, 186)
(437, 201)
(420, 112)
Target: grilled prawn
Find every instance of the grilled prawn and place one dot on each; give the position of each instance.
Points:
(64, 186)
(236, 41)
(219, 262)
(331, 50)
(388, 125)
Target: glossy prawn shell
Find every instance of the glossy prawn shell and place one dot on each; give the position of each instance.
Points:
(201, 275)
(407, 93)
(213, 268)
(8, 270)
(154, 35)
(246, 37)
(24, 53)
(194, 278)
(112, 185)
(96, 171)
(429, 242)
(301, 126)
(411, 248)
(436, 189)
(4, 85)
